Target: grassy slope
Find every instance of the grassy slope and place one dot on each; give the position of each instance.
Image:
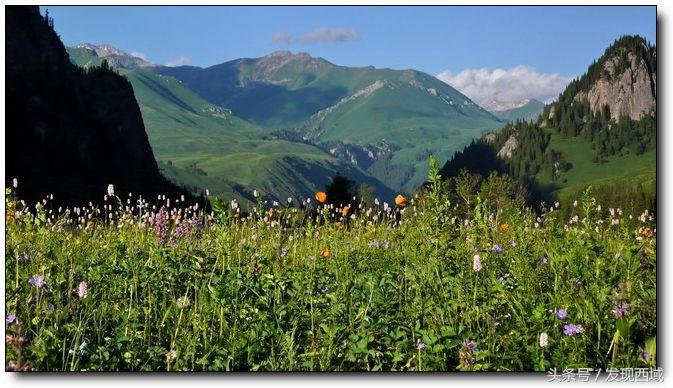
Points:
(186, 131)
(530, 112)
(584, 171)
(408, 115)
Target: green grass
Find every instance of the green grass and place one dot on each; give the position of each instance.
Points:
(293, 289)
(618, 168)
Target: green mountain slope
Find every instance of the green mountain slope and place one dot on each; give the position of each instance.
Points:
(529, 111)
(203, 146)
(408, 113)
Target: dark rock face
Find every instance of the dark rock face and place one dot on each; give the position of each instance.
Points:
(70, 131)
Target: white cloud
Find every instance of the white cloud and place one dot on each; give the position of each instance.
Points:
(181, 60)
(138, 54)
(281, 37)
(320, 35)
(507, 86)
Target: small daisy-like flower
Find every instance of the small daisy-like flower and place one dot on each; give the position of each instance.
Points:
(421, 346)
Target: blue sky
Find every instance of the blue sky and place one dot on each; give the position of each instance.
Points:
(545, 40)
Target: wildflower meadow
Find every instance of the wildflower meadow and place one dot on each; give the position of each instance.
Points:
(454, 278)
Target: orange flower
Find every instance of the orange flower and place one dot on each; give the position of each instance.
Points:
(345, 211)
(321, 196)
(647, 232)
(324, 252)
(401, 201)
(504, 227)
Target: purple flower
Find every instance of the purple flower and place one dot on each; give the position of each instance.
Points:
(561, 314)
(544, 260)
(471, 344)
(620, 310)
(501, 279)
(161, 226)
(572, 329)
(578, 284)
(421, 346)
(645, 355)
(36, 281)
(618, 255)
(10, 319)
(385, 244)
(283, 252)
(497, 249)
(476, 263)
(513, 244)
(82, 290)
(324, 290)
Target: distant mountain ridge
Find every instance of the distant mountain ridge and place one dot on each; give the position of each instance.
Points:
(528, 109)
(406, 112)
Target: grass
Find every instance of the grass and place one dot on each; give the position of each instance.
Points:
(584, 171)
(306, 289)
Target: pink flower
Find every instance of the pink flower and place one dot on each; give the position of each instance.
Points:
(82, 290)
(476, 264)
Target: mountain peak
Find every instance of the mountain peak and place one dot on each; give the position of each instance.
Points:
(115, 56)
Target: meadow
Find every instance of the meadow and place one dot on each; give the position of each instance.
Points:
(460, 277)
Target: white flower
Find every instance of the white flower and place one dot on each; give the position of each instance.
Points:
(110, 190)
(544, 340)
(15, 183)
(255, 193)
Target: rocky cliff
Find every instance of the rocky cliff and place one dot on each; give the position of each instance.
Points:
(629, 93)
(69, 131)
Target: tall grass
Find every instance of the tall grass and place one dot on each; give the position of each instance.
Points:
(171, 288)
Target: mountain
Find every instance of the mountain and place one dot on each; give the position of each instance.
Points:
(404, 115)
(87, 55)
(528, 109)
(601, 131)
(201, 145)
(70, 132)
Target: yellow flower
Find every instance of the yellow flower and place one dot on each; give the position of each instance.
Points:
(504, 227)
(324, 252)
(345, 211)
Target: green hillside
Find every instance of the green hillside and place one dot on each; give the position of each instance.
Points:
(615, 170)
(529, 111)
(203, 146)
(412, 113)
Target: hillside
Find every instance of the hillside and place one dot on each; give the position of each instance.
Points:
(70, 132)
(601, 132)
(404, 114)
(203, 146)
(529, 110)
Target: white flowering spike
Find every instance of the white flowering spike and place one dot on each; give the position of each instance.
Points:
(110, 190)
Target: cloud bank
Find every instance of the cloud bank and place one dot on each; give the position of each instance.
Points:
(507, 86)
(319, 35)
(181, 60)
